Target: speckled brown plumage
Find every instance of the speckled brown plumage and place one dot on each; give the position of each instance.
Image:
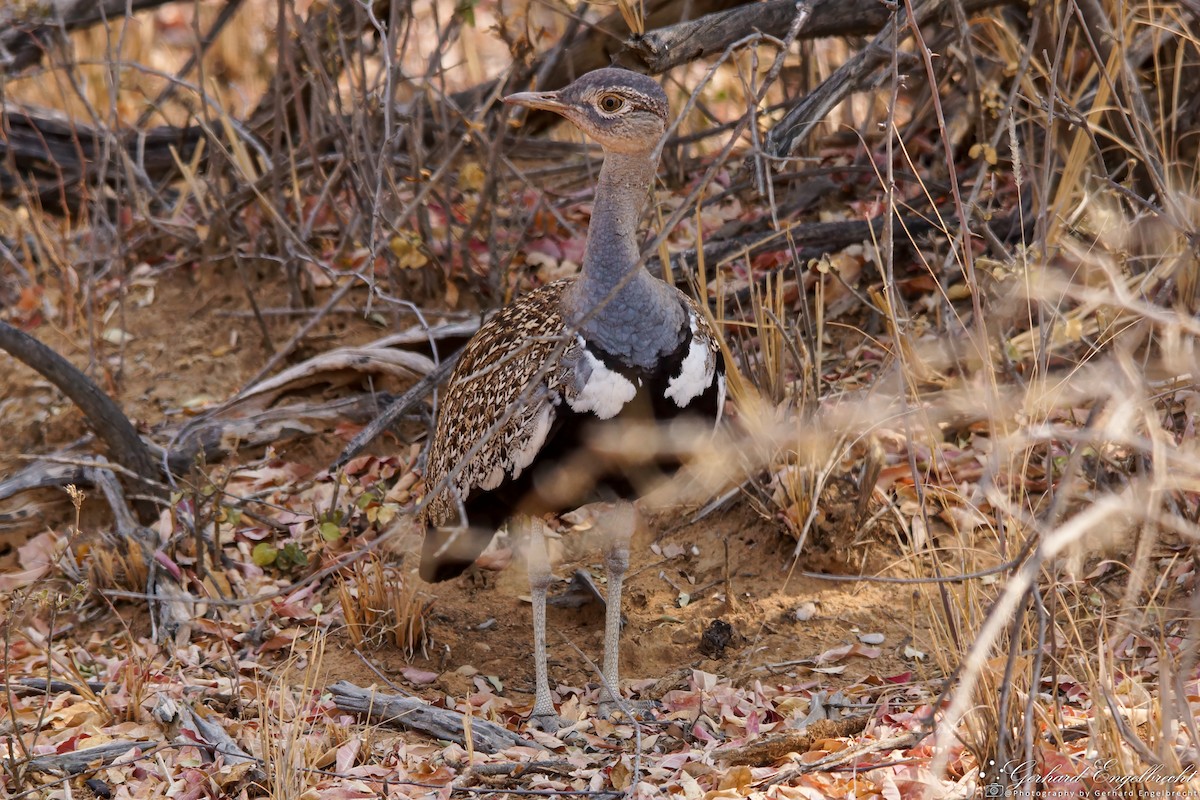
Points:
(509, 351)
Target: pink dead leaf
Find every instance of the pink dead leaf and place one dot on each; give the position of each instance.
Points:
(418, 677)
(37, 556)
(887, 786)
(540, 251)
(356, 465)
(277, 643)
(675, 761)
(347, 754)
(544, 739)
(277, 473)
(836, 654)
(292, 610)
(71, 744)
(903, 677)
(297, 605)
(1100, 570)
(255, 534)
(704, 681)
(39, 552)
(681, 700)
(292, 518)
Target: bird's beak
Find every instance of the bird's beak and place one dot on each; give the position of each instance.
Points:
(544, 100)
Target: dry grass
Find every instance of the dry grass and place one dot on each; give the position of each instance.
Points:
(382, 607)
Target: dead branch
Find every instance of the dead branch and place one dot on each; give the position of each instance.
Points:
(397, 408)
(53, 158)
(593, 47)
(260, 415)
(814, 239)
(45, 473)
(601, 44)
(173, 608)
(81, 760)
(248, 414)
(247, 426)
(663, 49)
(24, 687)
(852, 76)
(27, 28)
(105, 416)
(191, 728)
(332, 30)
(414, 714)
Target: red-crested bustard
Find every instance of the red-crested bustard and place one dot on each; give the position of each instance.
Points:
(613, 345)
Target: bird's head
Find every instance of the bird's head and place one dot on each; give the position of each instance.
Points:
(626, 112)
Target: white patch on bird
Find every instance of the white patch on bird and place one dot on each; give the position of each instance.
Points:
(605, 392)
(533, 443)
(696, 373)
(720, 400)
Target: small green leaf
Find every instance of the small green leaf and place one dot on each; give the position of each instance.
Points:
(264, 554)
(330, 531)
(292, 556)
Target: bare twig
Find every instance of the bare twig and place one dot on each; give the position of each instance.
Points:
(105, 416)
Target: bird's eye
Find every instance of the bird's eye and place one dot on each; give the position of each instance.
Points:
(611, 103)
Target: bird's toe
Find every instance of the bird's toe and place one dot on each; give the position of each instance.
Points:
(547, 722)
(619, 711)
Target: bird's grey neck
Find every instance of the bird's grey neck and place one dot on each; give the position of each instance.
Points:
(616, 303)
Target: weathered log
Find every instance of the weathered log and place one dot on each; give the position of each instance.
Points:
(414, 714)
(81, 760)
(662, 49)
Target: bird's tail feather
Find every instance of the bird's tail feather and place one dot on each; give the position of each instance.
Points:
(447, 552)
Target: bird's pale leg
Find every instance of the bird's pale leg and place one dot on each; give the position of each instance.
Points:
(620, 524)
(540, 578)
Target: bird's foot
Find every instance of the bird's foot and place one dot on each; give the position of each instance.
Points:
(548, 722)
(642, 710)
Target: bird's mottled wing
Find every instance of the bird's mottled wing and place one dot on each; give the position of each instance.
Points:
(507, 360)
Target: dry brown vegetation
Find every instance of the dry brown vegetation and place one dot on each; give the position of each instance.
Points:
(952, 523)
